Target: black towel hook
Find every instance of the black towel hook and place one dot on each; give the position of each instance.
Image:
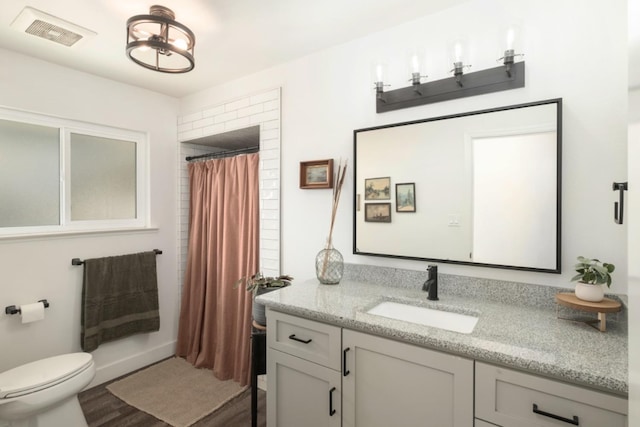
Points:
(618, 207)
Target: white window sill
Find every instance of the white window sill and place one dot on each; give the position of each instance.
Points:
(76, 233)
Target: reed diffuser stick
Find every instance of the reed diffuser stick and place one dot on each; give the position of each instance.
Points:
(338, 180)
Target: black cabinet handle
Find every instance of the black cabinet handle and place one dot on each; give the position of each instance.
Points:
(575, 421)
(331, 410)
(345, 371)
(293, 337)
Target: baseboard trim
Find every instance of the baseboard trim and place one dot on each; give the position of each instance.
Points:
(129, 364)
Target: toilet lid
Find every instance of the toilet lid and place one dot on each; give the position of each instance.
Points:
(39, 374)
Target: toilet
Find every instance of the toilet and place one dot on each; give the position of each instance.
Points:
(45, 393)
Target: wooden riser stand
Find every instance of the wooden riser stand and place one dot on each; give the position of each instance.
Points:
(603, 307)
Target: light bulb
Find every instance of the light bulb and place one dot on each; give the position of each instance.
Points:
(415, 63)
(379, 73)
(180, 44)
(511, 35)
(458, 52)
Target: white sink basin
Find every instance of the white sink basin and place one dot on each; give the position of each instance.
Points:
(456, 322)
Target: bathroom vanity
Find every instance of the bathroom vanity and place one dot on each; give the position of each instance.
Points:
(330, 362)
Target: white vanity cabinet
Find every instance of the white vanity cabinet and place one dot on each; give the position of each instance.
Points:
(511, 398)
(323, 375)
(303, 372)
(388, 383)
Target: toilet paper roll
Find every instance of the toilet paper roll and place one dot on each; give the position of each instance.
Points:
(32, 312)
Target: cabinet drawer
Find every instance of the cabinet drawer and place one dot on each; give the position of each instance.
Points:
(512, 398)
(314, 341)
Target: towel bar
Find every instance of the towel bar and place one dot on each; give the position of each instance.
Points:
(78, 261)
(12, 309)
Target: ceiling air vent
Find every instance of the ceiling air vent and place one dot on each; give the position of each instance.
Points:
(49, 27)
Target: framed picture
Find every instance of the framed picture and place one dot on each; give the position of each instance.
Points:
(316, 174)
(377, 188)
(406, 197)
(377, 212)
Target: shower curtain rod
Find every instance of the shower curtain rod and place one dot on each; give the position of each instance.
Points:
(227, 153)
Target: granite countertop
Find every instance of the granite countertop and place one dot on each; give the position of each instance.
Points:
(526, 337)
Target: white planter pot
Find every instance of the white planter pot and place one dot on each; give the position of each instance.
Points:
(587, 292)
(258, 311)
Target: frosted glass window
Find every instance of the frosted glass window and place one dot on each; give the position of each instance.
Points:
(29, 174)
(103, 178)
(59, 175)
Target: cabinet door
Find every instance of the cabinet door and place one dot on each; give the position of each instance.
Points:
(301, 393)
(388, 383)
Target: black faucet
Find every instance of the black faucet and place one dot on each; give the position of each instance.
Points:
(431, 284)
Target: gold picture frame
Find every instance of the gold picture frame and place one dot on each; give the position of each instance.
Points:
(377, 188)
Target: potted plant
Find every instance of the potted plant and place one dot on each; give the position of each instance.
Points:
(259, 284)
(592, 276)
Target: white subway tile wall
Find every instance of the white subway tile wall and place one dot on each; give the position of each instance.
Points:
(261, 109)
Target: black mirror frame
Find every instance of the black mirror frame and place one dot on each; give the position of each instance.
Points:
(557, 269)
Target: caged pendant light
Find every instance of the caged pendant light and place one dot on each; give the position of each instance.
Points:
(157, 42)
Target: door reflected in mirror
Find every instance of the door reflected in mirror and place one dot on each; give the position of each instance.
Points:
(485, 188)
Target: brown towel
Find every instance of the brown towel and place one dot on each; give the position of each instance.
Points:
(119, 298)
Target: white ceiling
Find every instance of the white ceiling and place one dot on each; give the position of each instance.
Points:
(233, 37)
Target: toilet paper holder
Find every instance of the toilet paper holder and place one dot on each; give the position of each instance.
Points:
(12, 309)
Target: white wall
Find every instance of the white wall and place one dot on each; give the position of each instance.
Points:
(326, 95)
(36, 268)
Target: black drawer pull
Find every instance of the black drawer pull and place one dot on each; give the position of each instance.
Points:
(575, 421)
(293, 337)
(331, 410)
(345, 371)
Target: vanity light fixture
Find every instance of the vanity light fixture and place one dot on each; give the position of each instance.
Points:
(157, 42)
(509, 52)
(457, 51)
(379, 72)
(416, 64)
(460, 85)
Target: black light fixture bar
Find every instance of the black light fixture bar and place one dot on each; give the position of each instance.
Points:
(470, 84)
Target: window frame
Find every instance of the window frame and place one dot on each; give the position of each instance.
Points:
(65, 128)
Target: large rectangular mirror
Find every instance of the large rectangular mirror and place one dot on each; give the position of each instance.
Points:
(478, 188)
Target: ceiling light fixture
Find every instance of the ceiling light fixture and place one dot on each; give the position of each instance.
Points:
(157, 42)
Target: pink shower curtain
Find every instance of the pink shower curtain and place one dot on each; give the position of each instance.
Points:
(215, 318)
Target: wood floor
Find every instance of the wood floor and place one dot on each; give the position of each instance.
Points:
(103, 409)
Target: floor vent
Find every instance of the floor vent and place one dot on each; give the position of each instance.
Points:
(49, 27)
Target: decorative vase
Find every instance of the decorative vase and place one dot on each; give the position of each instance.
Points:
(329, 266)
(258, 310)
(588, 292)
